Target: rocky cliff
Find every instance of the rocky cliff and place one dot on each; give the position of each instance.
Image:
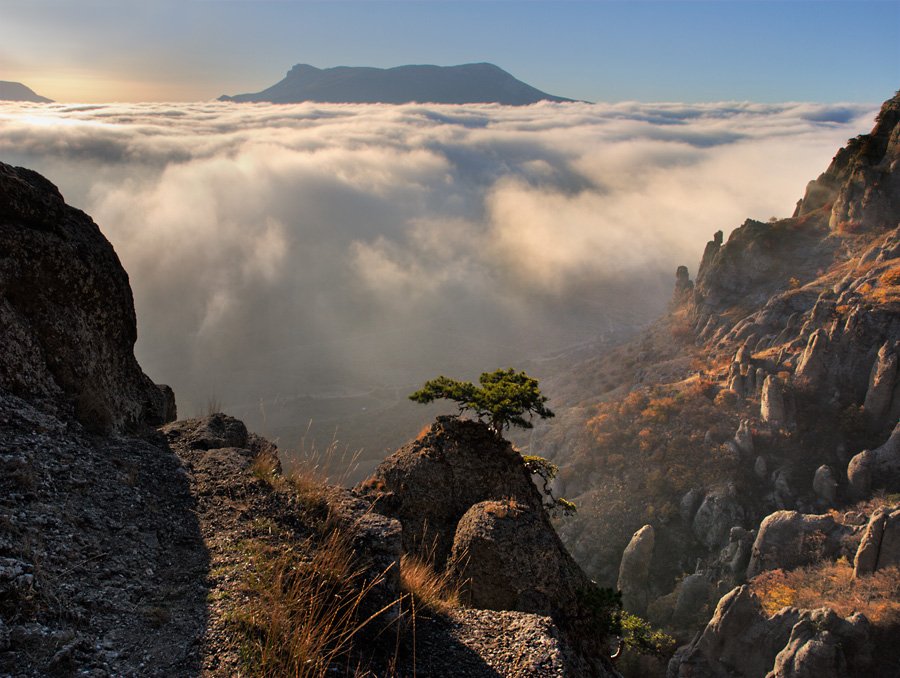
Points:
(752, 431)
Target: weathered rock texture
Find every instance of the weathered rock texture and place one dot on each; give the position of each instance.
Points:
(430, 483)
(510, 558)
(878, 468)
(67, 323)
(880, 545)
(789, 539)
(634, 570)
(741, 641)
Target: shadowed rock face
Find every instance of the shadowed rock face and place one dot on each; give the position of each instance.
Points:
(465, 84)
(67, 322)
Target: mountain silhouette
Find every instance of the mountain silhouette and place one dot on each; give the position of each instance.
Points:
(465, 84)
(16, 91)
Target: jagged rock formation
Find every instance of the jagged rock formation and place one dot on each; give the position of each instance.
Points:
(880, 544)
(464, 84)
(788, 539)
(776, 376)
(16, 91)
(740, 640)
(67, 320)
(466, 502)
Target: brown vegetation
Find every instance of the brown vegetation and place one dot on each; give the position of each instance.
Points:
(431, 591)
(832, 584)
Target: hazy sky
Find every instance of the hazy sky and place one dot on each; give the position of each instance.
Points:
(188, 50)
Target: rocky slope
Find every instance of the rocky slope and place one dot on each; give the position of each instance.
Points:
(16, 91)
(133, 545)
(766, 398)
(464, 84)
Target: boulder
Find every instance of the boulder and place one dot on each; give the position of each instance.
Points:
(882, 381)
(880, 544)
(509, 558)
(690, 502)
(207, 433)
(876, 469)
(771, 406)
(824, 645)
(782, 492)
(825, 486)
(719, 512)
(735, 556)
(789, 539)
(743, 438)
(431, 482)
(67, 321)
(635, 569)
(693, 596)
(814, 364)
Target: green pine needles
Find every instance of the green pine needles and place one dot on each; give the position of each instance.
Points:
(503, 399)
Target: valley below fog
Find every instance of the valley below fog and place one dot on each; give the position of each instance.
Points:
(307, 266)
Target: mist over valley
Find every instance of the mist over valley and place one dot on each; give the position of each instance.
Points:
(306, 266)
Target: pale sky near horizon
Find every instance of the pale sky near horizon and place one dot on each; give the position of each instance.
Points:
(189, 50)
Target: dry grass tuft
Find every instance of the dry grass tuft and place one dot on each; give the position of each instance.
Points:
(832, 585)
(302, 609)
(431, 591)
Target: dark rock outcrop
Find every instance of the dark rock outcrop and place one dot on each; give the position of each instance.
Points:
(509, 557)
(67, 322)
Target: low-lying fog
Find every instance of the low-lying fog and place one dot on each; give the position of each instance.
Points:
(316, 262)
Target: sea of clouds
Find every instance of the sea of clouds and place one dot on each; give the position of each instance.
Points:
(277, 251)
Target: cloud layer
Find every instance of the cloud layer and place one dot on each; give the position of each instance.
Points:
(276, 251)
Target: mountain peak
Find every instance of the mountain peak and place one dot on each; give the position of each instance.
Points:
(420, 83)
(16, 91)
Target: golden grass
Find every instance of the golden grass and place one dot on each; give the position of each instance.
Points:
(301, 609)
(301, 601)
(832, 584)
(433, 591)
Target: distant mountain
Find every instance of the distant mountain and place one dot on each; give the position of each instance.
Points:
(465, 84)
(16, 91)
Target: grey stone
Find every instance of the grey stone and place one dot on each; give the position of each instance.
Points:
(635, 569)
(825, 486)
(771, 406)
(882, 381)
